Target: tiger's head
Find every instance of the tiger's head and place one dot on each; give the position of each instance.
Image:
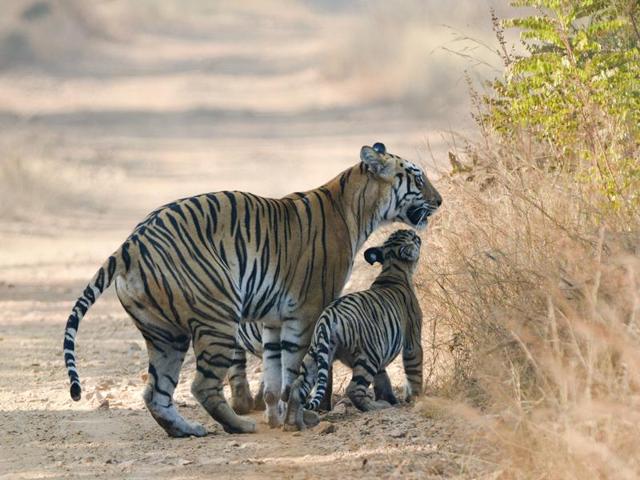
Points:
(402, 245)
(406, 193)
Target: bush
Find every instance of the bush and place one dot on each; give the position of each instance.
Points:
(577, 91)
(534, 304)
(532, 289)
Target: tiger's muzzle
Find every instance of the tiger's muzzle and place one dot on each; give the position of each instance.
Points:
(419, 214)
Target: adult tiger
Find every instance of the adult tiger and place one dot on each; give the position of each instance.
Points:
(194, 269)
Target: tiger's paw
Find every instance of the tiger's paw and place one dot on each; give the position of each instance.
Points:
(242, 404)
(411, 394)
(294, 417)
(197, 430)
(380, 405)
(293, 427)
(294, 423)
(274, 421)
(185, 429)
(310, 418)
(240, 425)
(275, 414)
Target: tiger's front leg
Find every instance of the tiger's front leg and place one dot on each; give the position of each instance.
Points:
(271, 361)
(294, 341)
(412, 358)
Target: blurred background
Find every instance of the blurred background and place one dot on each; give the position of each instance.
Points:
(529, 279)
(111, 107)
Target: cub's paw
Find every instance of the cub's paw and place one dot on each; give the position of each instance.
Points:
(294, 418)
(310, 418)
(409, 394)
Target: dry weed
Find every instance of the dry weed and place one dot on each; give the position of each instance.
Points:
(531, 300)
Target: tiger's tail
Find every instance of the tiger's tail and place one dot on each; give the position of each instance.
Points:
(117, 263)
(323, 355)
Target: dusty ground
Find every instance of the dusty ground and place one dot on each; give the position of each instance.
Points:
(96, 132)
(46, 435)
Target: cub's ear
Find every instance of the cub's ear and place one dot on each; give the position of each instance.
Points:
(374, 160)
(373, 255)
(379, 147)
(409, 253)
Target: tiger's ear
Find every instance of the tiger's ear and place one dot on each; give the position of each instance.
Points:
(409, 253)
(374, 160)
(373, 255)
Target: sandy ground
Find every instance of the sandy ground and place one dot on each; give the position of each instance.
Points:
(142, 114)
(46, 435)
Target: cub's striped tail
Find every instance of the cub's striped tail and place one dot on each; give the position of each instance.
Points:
(114, 265)
(323, 354)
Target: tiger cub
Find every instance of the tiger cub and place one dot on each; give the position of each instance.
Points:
(366, 330)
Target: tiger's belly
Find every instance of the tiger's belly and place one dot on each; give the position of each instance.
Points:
(392, 352)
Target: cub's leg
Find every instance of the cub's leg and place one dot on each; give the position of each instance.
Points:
(382, 388)
(326, 404)
(272, 376)
(241, 399)
(412, 358)
(213, 344)
(300, 389)
(166, 347)
(360, 381)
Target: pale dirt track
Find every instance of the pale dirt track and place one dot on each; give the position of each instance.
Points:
(91, 144)
(46, 435)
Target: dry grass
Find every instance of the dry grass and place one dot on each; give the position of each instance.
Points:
(532, 307)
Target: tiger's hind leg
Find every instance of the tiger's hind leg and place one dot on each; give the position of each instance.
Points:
(258, 401)
(165, 362)
(241, 399)
(213, 344)
(359, 385)
(166, 347)
(382, 388)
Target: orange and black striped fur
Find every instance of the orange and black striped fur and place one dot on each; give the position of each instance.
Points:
(193, 270)
(366, 330)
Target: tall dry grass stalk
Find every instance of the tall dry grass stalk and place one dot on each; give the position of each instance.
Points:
(532, 305)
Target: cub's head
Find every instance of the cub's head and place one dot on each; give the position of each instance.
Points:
(406, 193)
(402, 245)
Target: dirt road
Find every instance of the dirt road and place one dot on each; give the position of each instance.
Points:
(148, 110)
(109, 433)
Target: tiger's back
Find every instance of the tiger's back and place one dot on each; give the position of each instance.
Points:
(261, 254)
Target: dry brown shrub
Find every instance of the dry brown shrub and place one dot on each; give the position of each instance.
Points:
(531, 297)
